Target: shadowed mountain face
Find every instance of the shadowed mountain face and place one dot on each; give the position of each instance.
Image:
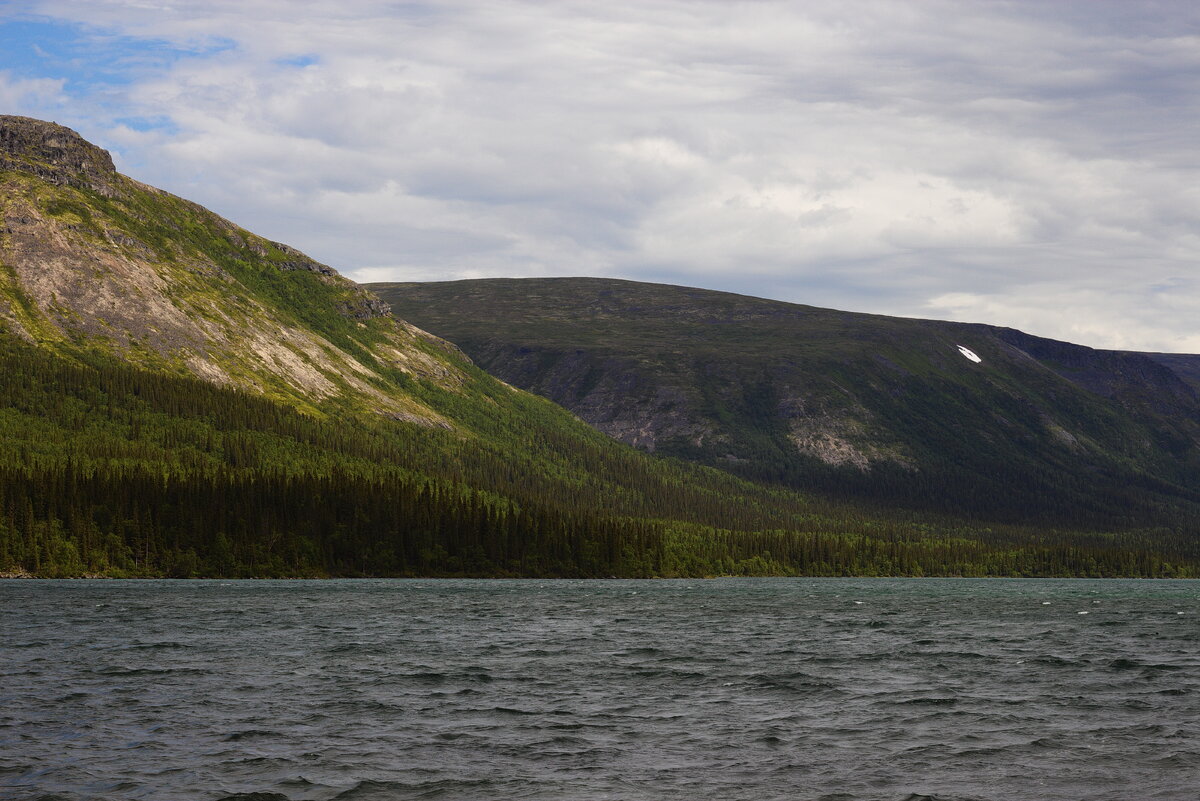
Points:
(853, 404)
(1184, 365)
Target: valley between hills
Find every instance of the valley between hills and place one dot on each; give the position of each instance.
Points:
(181, 397)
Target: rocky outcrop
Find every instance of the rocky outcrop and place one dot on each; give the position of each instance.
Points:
(54, 153)
(362, 305)
(60, 156)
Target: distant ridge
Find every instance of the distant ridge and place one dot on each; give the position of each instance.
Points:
(858, 405)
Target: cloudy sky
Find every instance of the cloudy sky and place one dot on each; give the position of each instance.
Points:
(1033, 164)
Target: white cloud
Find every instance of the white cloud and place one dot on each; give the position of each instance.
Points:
(1027, 163)
(32, 95)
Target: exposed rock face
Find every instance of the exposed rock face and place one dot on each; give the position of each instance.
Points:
(613, 395)
(92, 259)
(60, 156)
(95, 291)
(55, 154)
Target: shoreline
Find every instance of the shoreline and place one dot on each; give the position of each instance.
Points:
(11, 576)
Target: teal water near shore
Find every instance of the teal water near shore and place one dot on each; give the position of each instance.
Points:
(722, 689)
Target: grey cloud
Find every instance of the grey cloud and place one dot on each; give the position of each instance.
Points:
(1002, 159)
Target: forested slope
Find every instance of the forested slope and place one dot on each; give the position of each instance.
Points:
(111, 470)
(860, 407)
(180, 397)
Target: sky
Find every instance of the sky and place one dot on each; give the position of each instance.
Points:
(1029, 164)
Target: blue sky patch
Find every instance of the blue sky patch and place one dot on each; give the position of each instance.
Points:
(88, 57)
(149, 123)
(306, 60)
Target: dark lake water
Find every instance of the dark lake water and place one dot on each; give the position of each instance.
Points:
(727, 689)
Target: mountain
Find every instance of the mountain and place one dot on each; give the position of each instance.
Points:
(966, 419)
(181, 397)
(93, 261)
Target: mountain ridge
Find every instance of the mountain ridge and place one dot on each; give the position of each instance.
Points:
(807, 397)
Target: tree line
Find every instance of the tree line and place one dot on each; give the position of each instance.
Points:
(109, 470)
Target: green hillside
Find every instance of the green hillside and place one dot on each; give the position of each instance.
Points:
(107, 469)
(179, 397)
(854, 406)
(148, 341)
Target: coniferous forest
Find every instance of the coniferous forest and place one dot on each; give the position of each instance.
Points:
(106, 469)
(180, 397)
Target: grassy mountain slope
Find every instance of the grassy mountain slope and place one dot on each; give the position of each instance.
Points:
(115, 470)
(92, 261)
(181, 397)
(854, 405)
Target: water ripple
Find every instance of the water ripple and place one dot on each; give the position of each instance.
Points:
(833, 689)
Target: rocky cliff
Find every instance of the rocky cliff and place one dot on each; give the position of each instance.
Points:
(55, 154)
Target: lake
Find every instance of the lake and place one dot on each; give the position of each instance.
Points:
(722, 689)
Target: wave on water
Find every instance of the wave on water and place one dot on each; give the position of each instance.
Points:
(735, 690)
